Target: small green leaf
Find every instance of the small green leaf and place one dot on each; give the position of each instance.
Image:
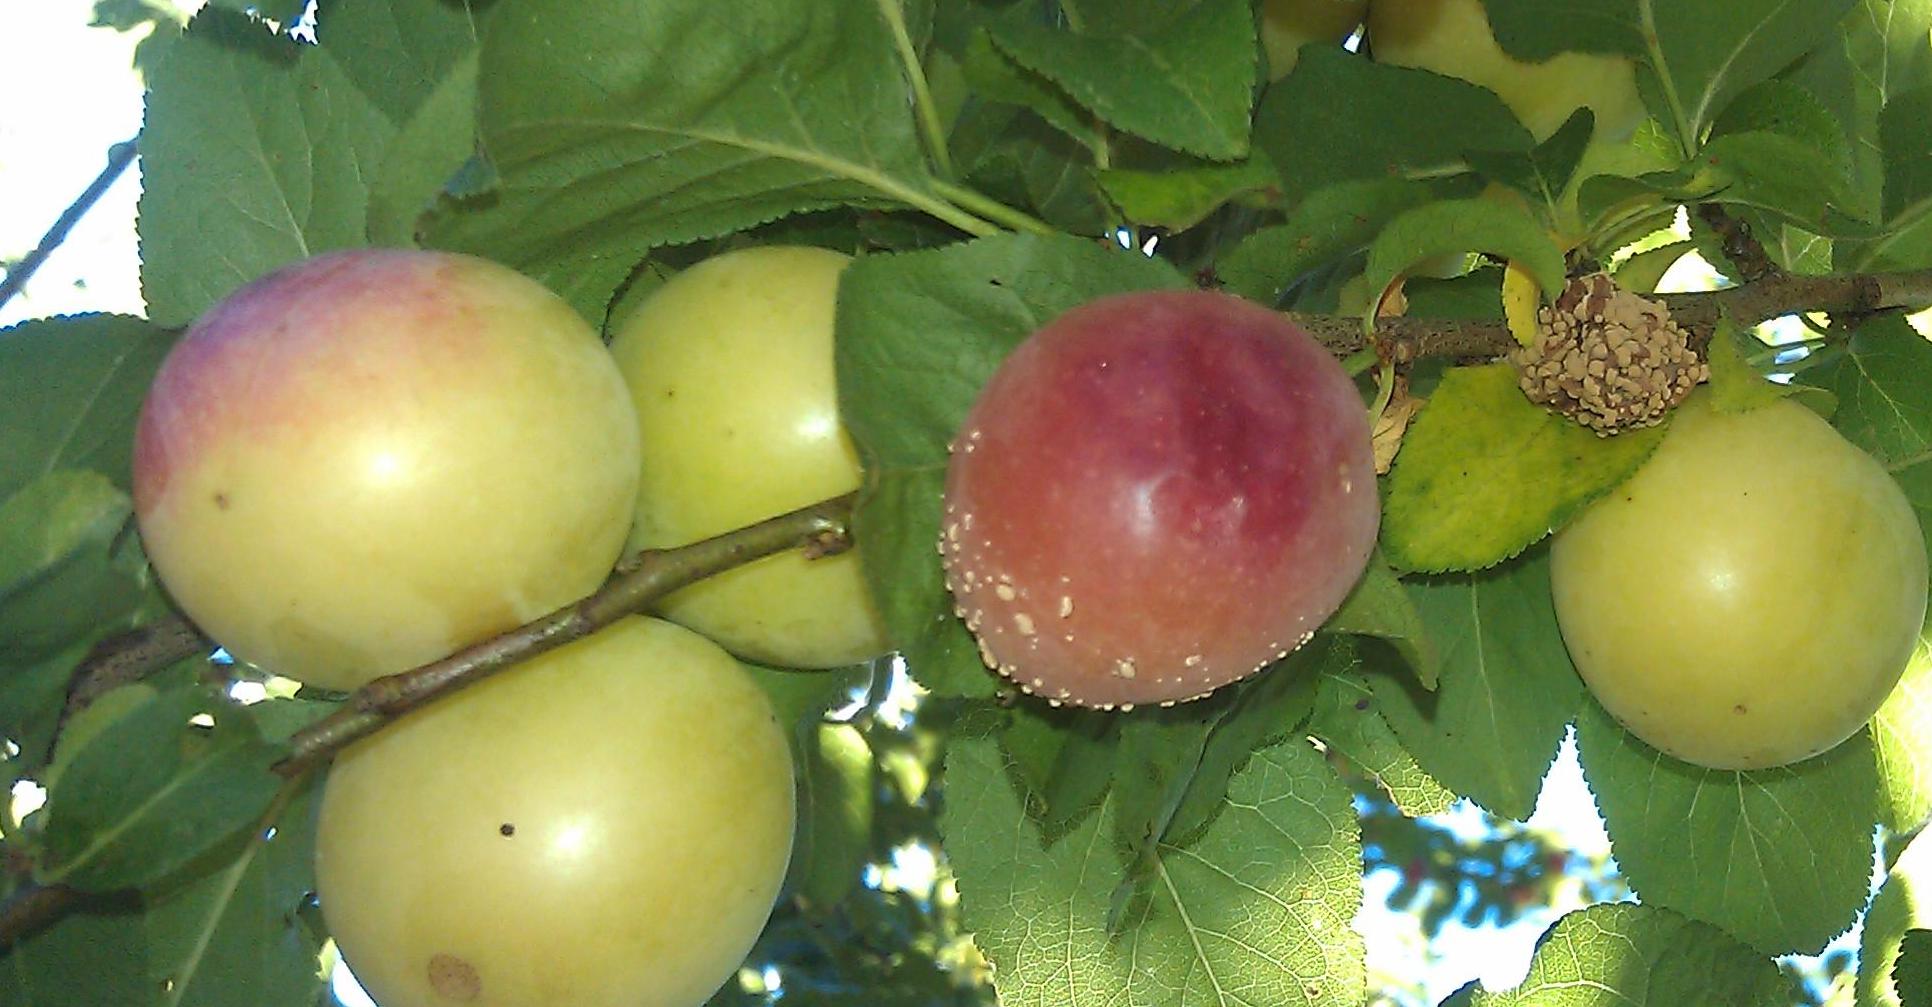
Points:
(995, 77)
(1180, 198)
(1211, 922)
(1902, 744)
(153, 792)
(398, 52)
(835, 826)
(918, 334)
(1705, 53)
(1492, 726)
(1380, 606)
(1347, 718)
(1779, 858)
(65, 572)
(1484, 473)
(1185, 82)
(1331, 223)
(1912, 976)
(1903, 904)
(255, 145)
(1883, 380)
(1546, 171)
(1616, 954)
(1503, 229)
(70, 389)
(1737, 386)
(1421, 120)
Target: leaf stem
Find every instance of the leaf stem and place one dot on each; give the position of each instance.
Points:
(33, 908)
(821, 529)
(119, 157)
(922, 102)
(991, 209)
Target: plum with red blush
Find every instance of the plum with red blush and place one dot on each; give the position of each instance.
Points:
(1155, 495)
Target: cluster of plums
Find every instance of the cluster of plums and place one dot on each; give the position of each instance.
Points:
(373, 458)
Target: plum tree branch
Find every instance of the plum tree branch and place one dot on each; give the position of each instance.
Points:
(1778, 293)
(822, 528)
(132, 656)
(119, 157)
(33, 908)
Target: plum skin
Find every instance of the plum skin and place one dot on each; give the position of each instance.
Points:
(368, 459)
(730, 369)
(1750, 597)
(1156, 494)
(605, 825)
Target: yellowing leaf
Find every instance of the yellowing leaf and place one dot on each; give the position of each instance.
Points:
(1484, 473)
(1521, 297)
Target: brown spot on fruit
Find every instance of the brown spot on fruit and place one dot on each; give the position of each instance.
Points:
(454, 979)
(506, 830)
(221, 501)
(1167, 477)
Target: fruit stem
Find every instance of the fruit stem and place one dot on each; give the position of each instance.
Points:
(639, 582)
(991, 209)
(1358, 363)
(925, 108)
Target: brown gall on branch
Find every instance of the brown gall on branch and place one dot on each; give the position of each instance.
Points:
(1699, 313)
(640, 581)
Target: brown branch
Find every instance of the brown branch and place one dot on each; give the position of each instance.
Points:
(642, 580)
(34, 908)
(1748, 304)
(132, 656)
(1739, 245)
(119, 157)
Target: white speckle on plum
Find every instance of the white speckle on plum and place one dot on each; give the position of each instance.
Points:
(966, 520)
(1023, 623)
(1005, 592)
(1066, 605)
(1193, 661)
(1056, 704)
(1124, 668)
(1126, 707)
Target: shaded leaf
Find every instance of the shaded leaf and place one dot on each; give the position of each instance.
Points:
(1484, 473)
(1876, 51)
(835, 823)
(70, 389)
(1423, 120)
(397, 52)
(65, 574)
(431, 146)
(1505, 230)
(1616, 954)
(1496, 718)
(1179, 198)
(1883, 381)
(1779, 857)
(1331, 223)
(1379, 606)
(1903, 904)
(92, 957)
(152, 792)
(1912, 977)
(1735, 385)
(1348, 719)
(918, 334)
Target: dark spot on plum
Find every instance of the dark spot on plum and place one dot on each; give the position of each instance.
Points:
(1739, 709)
(506, 829)
(454, 979)
(221, 501)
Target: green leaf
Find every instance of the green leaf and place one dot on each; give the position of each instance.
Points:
(64, 574)
(1212, 922)
(1703, 54)
(1380, 606)
(1902, 745)
(1912, 977)
(1348, 720)
(237, 929)
(1908, 155)
(994, 77)
(1185, 82)
(1421, 121)
(622, 125)
(1493, 724)
(432, 146)
(1786, 109)
(1616, 954)
(1546, 171)
(1484, 473)
(92, 957)
(1779, 857)
(1331, 223)
(32, 695)
(918, 334)
(70, 389)
(1883, 381)
(398, 52)
(152, 792)
(1903, 904)
(835, 826)
(1506, 230)
(1180, 198)
(1736, 386)
(1012, 155)
(255, 154)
